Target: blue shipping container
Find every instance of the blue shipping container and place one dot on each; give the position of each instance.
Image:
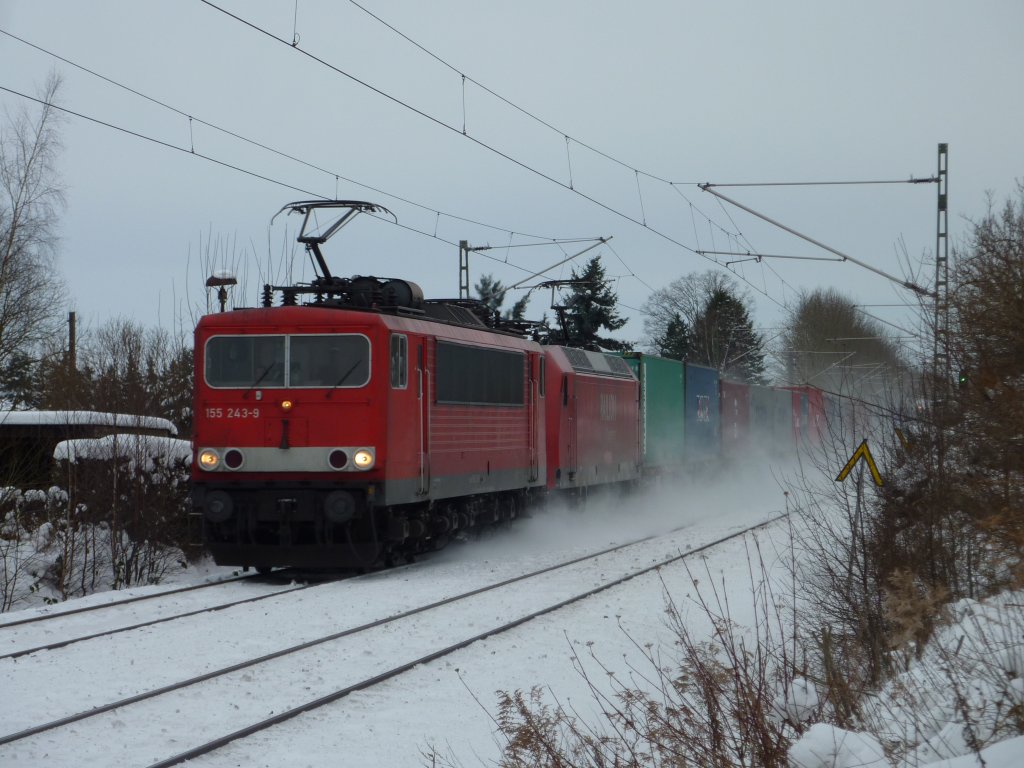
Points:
(702, 414)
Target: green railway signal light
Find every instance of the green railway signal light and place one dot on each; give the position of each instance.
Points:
(962, 379)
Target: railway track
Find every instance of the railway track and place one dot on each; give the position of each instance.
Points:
(220, 690)
(21, 637)
(61, 614)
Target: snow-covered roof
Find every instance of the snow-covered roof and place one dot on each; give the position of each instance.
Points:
(91, 418)
(123, 446)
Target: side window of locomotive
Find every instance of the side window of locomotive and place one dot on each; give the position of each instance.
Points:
(328, 360)
(543, 374)
(399, 361)
(479, 376)
(245, 361)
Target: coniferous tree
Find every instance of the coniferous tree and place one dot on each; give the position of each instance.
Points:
(491, 292)
(724, 338)
(704, 319)
(18, 382)
(589, 308)
(518, 311)
(676, 342)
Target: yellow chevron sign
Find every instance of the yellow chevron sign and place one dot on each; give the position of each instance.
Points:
(862, 452)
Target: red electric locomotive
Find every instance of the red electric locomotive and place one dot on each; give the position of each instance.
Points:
(593, 432)
(363, 424)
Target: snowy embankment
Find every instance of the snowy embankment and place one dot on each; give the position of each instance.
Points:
(449, 705)
(958, 706)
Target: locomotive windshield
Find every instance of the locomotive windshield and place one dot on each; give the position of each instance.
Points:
(321, 360)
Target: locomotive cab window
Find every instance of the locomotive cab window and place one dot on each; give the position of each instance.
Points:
(399, 361)
(329, 360)
(245, 361)
(321, 360)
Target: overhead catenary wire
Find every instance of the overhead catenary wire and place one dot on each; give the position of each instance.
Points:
(238, 168)
(500, 153)
(543, 240)
(905, 283)
(191, 151)
(568, 140)
(191, 118)
(911, 180)
(253, 142)
(504, 100)
(160, 142)
(637, 172)
(641, 222)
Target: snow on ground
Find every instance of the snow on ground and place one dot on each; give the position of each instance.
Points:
(448, 705)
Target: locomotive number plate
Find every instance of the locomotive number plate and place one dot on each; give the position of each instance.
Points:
(232, 413)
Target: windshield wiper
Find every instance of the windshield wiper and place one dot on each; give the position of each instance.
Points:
(261, 377)
(344, 377)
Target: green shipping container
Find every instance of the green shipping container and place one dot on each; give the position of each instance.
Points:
(662, 410)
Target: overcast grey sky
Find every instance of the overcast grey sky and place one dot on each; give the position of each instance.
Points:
(670, 94)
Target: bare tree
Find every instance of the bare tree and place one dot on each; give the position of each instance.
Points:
(987, 347)
(685, 298)
(830, 344)
(30, 198)
(705, 318)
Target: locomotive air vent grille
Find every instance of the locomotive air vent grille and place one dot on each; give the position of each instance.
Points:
(578, 358)
(618, 366)
(451, 313)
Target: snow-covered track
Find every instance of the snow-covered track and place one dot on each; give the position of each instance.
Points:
(389, 625)
(117, 602)
(162, 619)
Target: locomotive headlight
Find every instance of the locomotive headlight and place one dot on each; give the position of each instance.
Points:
(286, 405)
(209, 459)
(363, 458)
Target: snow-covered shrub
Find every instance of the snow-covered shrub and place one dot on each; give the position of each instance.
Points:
(825, 746)
(133, 492)
(27, 538)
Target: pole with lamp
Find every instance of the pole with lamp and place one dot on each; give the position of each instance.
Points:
(220, 280)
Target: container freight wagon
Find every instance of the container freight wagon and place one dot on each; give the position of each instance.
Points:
(662, 418)
(701, 414)
(735, 408)
(800, 414)
(771, 419)
(593, 434)
(809, 411)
